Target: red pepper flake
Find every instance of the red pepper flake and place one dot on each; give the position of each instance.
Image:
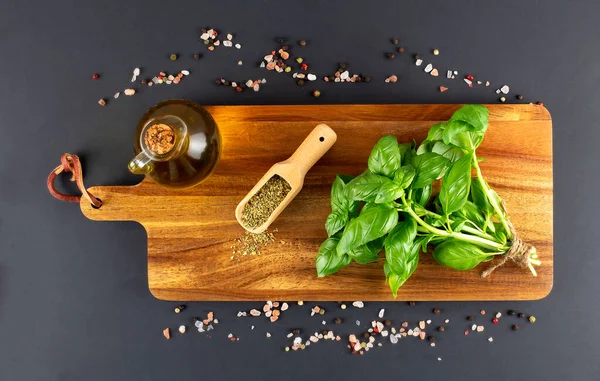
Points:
(95, 76)
(540, 103)
(466, 332)
(469, 77)
(304, 67)
(376, 330)
(495, 320)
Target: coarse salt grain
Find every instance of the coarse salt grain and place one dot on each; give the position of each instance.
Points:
(384, 333)
(358, 322)
(474, 327)
(227, 44)
(393, 339)
(238, 46)
(129, 92)
(491, 339)
(268, 334)
(311, 77)
(290, 335)
(447, 321)
(498, 315)
(505, 89)
(358, 304)
(432, 344)
(284, 306)
(230, 336)
(240, 63)
(418, 62)
(434, 72)
(185, 72)
(428, 322)
(324, 322)
(422, 324)
(182, 328)
(449, 74)
(480, 328)
(428, 68)
(381, 312)
(297, 340)
(117, 95)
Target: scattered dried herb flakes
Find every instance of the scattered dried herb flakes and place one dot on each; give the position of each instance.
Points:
(263, 203)
(251, 244)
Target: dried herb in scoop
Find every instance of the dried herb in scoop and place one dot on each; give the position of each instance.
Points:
(390, 206)
(264, 202)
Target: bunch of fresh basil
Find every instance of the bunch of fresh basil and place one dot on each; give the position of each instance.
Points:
(390, 206)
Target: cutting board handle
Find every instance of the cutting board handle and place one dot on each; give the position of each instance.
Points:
(319, 141)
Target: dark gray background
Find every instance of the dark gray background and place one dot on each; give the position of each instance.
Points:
(74, 300)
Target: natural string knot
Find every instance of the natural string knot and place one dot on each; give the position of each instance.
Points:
(71, 163)
(520, 252)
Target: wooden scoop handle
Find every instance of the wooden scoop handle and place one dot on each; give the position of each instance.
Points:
(316, 144)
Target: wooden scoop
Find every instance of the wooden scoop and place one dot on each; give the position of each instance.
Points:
(293, 171)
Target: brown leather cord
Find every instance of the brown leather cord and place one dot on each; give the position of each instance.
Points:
(71, 163)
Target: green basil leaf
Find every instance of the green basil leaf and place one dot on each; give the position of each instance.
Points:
(479, 197)
(436, 132)
(425, 146)
(449, 152)
(403, 149)
(368, 252)
(404, 176)
(335, 222)
(339, 201)
(459, 255)
(471, 212)
(373, 223)
(475, 115)
(395, 281)
(399, 246)
(389, 192)
(365, 187)
(428, 167)
(385, 157)
(456, 185)
(328, 261)
(425, 241)
(422, 195)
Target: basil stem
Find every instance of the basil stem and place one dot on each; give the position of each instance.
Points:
(499, 211)
(482, 242)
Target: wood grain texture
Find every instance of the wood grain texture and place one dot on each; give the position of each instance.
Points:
(190, 231)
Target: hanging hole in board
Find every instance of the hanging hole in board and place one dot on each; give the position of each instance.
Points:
(97, 207)
(321, 139)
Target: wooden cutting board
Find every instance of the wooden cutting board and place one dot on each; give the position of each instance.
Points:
(190, 231)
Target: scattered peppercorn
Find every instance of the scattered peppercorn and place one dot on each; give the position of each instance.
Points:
(342, 66)
(437, 311)
(502, 99)
(322, 311)
(532, 319)
(302, 42)
(515, 327)
(521, 315)
(280, 40)
(173, 57)
(482, 312)
(391, 56)
(519, 97)
(338, 320)
(495, 320)
(539, 103)
(387, 322)
(470, 318)
(395, 41)
(95, 76)
(400, 50)
(510, 313)
(300, 82)
(299, 60)
(368, 79)
(431, 339)
(441, 328)
(366, 335)
(436, 52)
(196, 56)
(284, 48)
(316, 93)
(412, 304)
(296, 331)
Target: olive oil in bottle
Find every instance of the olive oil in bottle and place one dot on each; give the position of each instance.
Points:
(177, 144)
